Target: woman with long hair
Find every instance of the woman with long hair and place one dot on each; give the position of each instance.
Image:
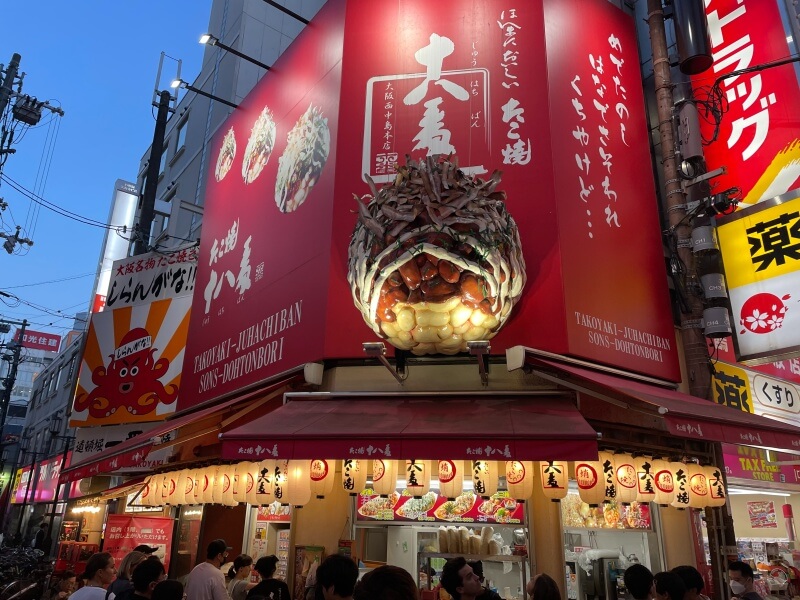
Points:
(543, 587)
(99, 573)
(122, 584)
(239, 577)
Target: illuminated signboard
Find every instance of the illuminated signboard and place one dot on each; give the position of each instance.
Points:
(761, 252)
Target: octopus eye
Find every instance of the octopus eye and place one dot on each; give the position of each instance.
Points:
(134, 371)
(123, 371)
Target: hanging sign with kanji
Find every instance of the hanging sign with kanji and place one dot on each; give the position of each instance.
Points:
(761, 252)
(755, 392)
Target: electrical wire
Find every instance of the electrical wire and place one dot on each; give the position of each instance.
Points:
(11, 287)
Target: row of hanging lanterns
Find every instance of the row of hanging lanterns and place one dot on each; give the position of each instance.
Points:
(613, 477)
(624, 478)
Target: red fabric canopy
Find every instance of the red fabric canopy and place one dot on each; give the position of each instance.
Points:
(684, 415)
(436, 427)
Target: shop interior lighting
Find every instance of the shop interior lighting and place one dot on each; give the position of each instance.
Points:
(481, 349)
(213, 40)
(180, 83)
(738, 491)
(378, 350)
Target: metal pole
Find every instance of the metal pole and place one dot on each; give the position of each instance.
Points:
(8, 81)
(12, 375)
(30, 493)
(153, 168)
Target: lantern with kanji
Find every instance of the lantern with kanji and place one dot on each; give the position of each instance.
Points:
(588, 475)
(451, 478)
(519, 478)
(485, 477)
(698, 486)
(384, 476)
(242, 481)
(265, 483)
(218, 484)
(147, 495)
(322, 477)
(554, 478)
(645, 479)
(167, 487)
(179, 495)
(252, 488)
(418, 477)
(716, 486)
(607, 462)
(228, 482)
(280, 480)
(209, 474)
(197, 489)
(664, 481)
(354, 475)
(680, 472)
(625, 478)
(298, 483)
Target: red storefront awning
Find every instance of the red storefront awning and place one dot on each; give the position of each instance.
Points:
(134, 450)
(430, 427)
(684, 415)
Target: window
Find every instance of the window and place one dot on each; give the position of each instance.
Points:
(181, 135)
(163, 164)
(71, 372)
(60, 378)
(51, 387)
(15, 411)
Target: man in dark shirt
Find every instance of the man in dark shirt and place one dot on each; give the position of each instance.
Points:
(146, 576)
(740, 576)
(639, 581)
(477, 568)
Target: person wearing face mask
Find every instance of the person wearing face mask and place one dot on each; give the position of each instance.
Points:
(740, 575)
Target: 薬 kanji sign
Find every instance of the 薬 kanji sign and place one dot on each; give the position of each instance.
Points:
(761, 252)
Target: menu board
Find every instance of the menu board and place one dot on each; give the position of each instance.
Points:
(611, 515)
(275, 513)
(466, 508)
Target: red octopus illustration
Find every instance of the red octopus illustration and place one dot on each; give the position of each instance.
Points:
(131, 380)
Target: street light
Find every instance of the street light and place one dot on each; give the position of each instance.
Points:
(211, 40)
(176, 83)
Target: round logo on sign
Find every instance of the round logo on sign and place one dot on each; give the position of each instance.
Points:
(447, 471)
(378, 470)
(664, 481)
(586, 476)
(763, 313)
(626, 476)
(319, 469)
(226, 482)
(699, 485)
(515, 472)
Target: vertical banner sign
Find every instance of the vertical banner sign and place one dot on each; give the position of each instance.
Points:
(759, 135)
(761, 251)
(124, 533)
(132, 362)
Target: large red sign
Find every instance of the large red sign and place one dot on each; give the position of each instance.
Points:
(556, 113)
(39, 340)
(759, 135)
(124, 533)
(42, 486)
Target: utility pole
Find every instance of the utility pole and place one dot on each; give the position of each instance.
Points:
(12, 372)
(153, 168)
(720, 523)
(8, 81)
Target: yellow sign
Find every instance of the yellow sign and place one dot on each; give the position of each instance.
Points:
(731, 387)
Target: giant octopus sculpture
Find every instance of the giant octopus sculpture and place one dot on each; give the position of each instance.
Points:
(435, 260)
(131, 381)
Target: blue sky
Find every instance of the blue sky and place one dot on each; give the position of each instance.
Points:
(98, 60)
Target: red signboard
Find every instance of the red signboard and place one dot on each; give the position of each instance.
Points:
(466, 508)
(39, 340)
(759, 134)
(789, 369)
(555, 107)
(40, 488)
(124, 533)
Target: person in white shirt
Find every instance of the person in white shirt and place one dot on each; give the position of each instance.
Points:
(99, 573)
(206, 581)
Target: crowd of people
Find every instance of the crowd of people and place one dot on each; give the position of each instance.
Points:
(142, 576)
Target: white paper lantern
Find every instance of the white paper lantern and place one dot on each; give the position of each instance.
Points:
(179, 496)
(680, 473)
(200, 485)
(384, 476)
(519, 478)
(218, 485)
(554, 479)
(698, 486)
(228, 481)
(451, 478)
(625, 478)
(322, 477)
(664, 480)
(209, 474)
(298, 483)
(354, 475)
(265, 483)
(485, 477)
(608, 477)
(588, 475)
(242, 481)
(280, 480)
(418, 477)
(147, 497)
(717, 494)
(645, 479)
(162, 488)
(250, 491)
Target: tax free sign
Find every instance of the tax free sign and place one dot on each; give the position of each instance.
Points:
(761, 251)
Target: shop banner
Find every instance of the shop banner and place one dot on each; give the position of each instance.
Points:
(123, 533)
(39, 340)
(761, 252)
(153, 276)
(745, 462)
(762, 515)
(90, 441)
(786, 370)
(549, 92)
(758, 141)
(750, 391)
(466, 508)
(131, 366)
(611, 515)
(39, 488)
